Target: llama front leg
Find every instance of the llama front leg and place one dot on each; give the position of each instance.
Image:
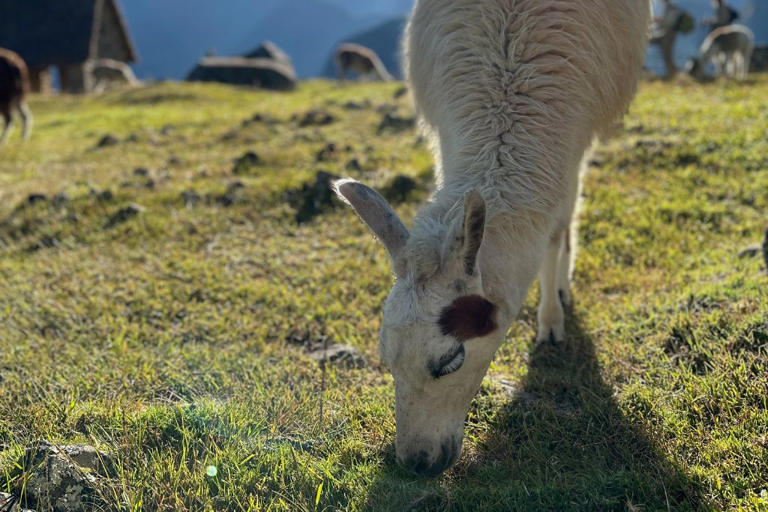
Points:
(555, 273)
(551, 316)
(565, 266)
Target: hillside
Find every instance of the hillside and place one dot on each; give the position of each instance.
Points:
(163, 291)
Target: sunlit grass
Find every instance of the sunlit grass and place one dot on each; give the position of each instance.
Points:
(162, 339)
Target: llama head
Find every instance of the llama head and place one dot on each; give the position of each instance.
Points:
(438, 331)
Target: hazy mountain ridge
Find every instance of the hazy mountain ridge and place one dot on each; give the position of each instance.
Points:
(172, 35)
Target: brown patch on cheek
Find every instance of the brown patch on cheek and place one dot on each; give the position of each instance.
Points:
(467, 317)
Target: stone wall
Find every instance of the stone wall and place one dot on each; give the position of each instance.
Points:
(74, 79)
(40, 81)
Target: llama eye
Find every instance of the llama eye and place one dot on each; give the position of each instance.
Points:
(449, 364)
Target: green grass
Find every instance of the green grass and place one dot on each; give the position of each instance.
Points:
(162, 339)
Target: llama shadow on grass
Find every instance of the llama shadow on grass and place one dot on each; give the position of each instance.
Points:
(560, 443)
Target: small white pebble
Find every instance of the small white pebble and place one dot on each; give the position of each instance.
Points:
(211, 471)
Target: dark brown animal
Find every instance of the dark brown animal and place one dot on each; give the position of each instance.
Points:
(361, 60)
(14, 86)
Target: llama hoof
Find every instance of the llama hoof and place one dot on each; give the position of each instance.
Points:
(551, 334)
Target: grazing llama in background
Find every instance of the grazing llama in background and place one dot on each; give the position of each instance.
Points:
(361, 60)
(512, 93)
(729, 48)
(14, 85)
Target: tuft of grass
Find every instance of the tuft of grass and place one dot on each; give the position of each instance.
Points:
(150, 313)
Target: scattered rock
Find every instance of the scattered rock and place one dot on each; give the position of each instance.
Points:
(107, 140)
(150, 183)
(235, 185)
(88, 457)
(46, 242)
(399, 189)
(167, 129)
(6, 500)
(395, 123)
(400, 92)
(597, 164)
(316, 118)
(9, 503)
(229, 136)
(260, 118)
(751, 251)
(386, 108)
(345, 355)
(232, 194)
(654, 143)
(353, 165)
(245, 163)
(105, 195)
(190, 198)
(327, 153)
(64, 478)
(174, 161)
(357, 105)
(141, 171)
(313, 198)
(60, 200)
(35, 198)
(125, 213)
(132, 138)
(756, 250)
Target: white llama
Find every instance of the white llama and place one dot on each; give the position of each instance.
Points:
(351, 57)
(729, 48)
(512, 93)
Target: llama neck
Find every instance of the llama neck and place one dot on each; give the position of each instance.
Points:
(510, 257)
(511, 253)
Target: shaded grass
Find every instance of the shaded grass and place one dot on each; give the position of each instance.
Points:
(162, 338)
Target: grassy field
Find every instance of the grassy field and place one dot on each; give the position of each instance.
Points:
(164, 315)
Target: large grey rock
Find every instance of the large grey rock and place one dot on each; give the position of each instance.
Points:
(64, 478)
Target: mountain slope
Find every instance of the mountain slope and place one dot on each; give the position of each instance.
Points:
(173, 34)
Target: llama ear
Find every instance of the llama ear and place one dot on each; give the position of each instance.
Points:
(377, 214)
(466, 238)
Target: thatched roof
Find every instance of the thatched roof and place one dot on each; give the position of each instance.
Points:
(265, 73)
(46, 32)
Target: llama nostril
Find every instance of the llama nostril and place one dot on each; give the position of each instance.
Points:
(422, 464)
